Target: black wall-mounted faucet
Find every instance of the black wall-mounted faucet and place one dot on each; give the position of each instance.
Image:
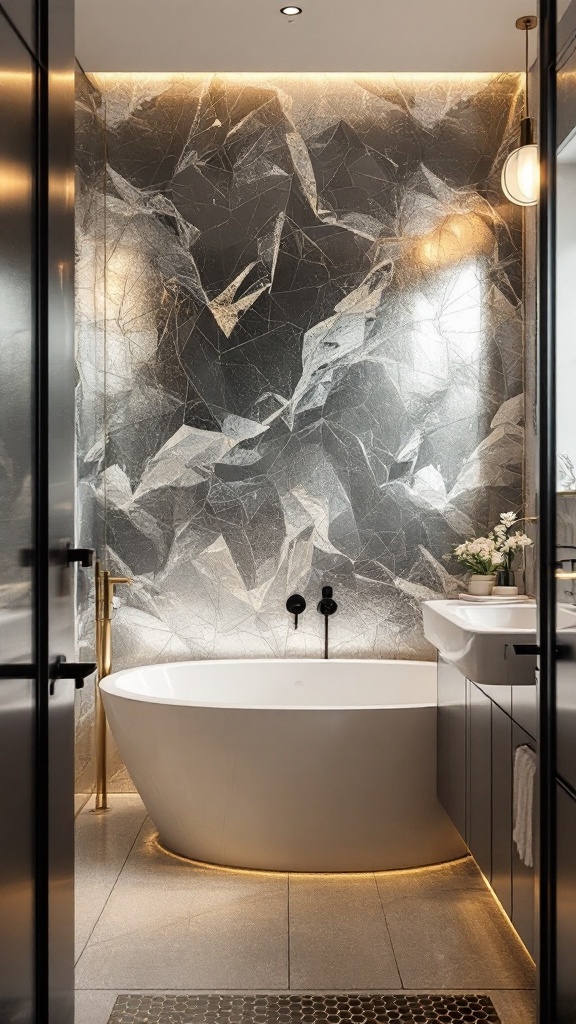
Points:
(296, 605)
(327, 606)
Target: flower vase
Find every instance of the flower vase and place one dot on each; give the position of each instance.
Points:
(481, 586)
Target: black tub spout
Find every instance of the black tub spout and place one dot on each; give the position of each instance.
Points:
(327, 606)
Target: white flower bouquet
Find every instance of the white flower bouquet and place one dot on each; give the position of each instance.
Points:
(508, 543)
(479, 555)
(487, 555)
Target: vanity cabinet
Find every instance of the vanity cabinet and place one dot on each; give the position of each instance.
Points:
(479, 796)
(522, 876)
(502, 807)
(477, 739)
(452, 746)
(525, 708)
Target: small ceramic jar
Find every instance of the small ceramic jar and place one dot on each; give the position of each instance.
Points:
(505, 586)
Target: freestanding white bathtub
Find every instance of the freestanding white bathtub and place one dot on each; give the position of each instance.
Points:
(295, 765)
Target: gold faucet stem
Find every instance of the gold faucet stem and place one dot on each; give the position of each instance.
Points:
(104, 585)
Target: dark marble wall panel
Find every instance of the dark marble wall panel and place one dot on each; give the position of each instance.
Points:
(301, 317)
(91, 382)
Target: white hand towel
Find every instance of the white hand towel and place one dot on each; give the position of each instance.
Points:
(524, 777)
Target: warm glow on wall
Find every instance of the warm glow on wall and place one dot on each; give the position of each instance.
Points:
(460, 236)
(61, 187)
(15, 183)
(109, 78)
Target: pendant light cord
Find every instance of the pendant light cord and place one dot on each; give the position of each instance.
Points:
(527, 92)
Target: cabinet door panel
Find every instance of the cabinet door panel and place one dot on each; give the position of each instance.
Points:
(502, 807)
(525, 705)
(452, 744)
(566, 902)
(522, 876)
(480, 776)
(500, 695)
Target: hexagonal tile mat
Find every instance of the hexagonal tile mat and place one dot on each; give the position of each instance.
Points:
(302, 1009)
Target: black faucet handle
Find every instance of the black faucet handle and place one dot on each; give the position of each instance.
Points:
(327, 592)
(296, 605)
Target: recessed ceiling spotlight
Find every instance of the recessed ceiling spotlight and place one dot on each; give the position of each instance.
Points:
(290, 10)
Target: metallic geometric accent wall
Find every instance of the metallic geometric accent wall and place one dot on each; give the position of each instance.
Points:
(299, 351)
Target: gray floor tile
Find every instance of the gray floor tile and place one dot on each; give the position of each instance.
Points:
(150, 874)
(152, 866)
(456, 939)
(103, 842)
(515, 1007)
(338, 935)
(80, 802)
(448, 931)
(159, 922)
(94, 1007)
(457, 874)
(202, 935)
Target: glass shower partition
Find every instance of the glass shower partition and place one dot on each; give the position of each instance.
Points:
(565, 357)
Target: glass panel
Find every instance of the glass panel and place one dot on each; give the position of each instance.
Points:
(17, 245)
(566, 499)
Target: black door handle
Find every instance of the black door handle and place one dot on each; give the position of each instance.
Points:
(61, 669)
(78, 671)
(85, 556)
(18, 671)
(526, 649)
(562, 651)
(59, 556)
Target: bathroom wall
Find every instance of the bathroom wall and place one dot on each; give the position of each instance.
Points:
(299, 351)
(91, 386)
(565, 353)
(566, 361)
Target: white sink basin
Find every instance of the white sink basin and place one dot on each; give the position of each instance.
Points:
(474, 637)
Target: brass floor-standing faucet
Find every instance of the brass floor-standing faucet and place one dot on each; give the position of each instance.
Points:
(104, 596)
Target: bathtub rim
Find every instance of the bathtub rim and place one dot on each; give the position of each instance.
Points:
(110, 685)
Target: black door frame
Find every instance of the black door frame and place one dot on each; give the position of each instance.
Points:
(546, 526)
(546, 473)
(45, 29)
(42, 545)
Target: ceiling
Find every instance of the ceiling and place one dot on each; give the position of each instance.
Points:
(330, 35)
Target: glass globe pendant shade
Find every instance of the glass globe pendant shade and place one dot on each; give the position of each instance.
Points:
(521, 172)
(521, 176)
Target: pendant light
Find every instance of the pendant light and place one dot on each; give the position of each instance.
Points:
(521, 172)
